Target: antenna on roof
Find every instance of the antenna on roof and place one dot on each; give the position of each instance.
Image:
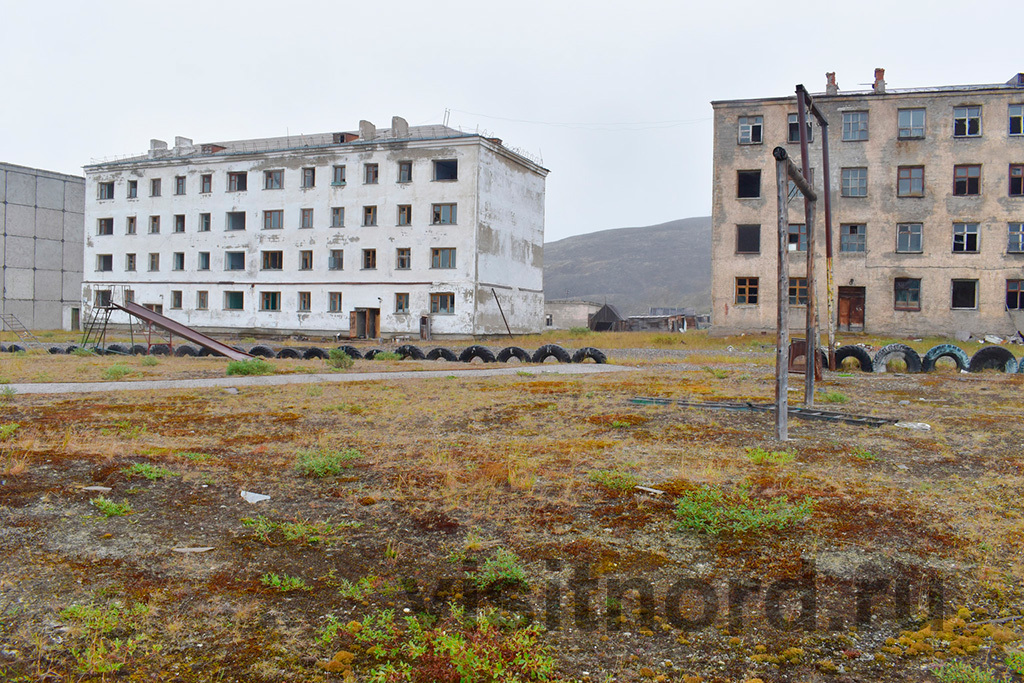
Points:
(447, 114)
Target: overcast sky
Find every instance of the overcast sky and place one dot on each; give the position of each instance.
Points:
(613, 96)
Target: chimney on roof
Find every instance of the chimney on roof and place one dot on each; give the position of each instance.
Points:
(879, 86)
(157, 148)
(367, 131)
(399, 127)
(830, 83)
(183, 145)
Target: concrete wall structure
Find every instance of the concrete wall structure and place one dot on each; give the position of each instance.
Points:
(931, 138)
(564, 314)
(41, 213)
(406, 223)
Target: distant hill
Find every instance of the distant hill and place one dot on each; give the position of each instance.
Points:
(667, 265)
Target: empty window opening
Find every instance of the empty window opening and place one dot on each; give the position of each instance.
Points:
(965, 294)
(748, 239)
(966, 122)
(235, 220)
(750, 129)
(234, 301)
(1015, 294)
(104, 262)
(748, 184)
(965, 237)
(446, 169)
(234, 260)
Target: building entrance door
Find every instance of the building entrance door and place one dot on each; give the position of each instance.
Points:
(367, 323)
(851, 309)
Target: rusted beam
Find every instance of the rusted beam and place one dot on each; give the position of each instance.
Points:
(784, 169)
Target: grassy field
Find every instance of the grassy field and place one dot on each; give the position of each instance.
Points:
(506, 509)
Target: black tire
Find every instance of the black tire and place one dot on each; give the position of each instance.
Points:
(441, 353)
(138, 350)
(351, 351)
(186, 350)
(476, 351)
(289, 352)
(854, 351)
(372, 353)
(262, 350)
(159, 350)
(119, 349)
(993, 358)
(944, 351)
(410, 351)
(14, 348)
(56, 349)
(314, 352)
(893, 351)
(205, 351)
(591, 353)
(551, 350)
(510, 352)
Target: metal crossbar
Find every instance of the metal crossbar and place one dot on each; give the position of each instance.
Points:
(804, 413)
(10, 320)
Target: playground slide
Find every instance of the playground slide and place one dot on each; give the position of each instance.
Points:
(174, 327)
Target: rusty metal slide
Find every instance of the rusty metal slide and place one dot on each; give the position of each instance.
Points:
(174, 327)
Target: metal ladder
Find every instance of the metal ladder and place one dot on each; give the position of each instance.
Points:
(10, 320)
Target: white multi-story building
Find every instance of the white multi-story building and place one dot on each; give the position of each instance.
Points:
(375, 233)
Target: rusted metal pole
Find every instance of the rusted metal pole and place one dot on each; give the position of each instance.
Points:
(812, 341)
(830, 301)
(495, 294)
(782, 164)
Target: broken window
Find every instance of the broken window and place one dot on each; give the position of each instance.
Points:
(442, 257)
(133, 189)
(203, 261)
(798, 291)
(402, 302)
(306, 218)
(854, 182)
(129, 295)
(909, 238)
(965, 293)
(442, 303)
(338, 175)
(273, 220)
(965, 238)
(154, 187)
(154, 262)
(966, 122)
(104, 262)
(270, 301)
(235, 220)
(369, 259)
(334, 302)
(749, 132)
(910, 181)
(1015, 294)
(1016, 180)
(306, 259)
(444, 214)
(129, 225)
(202, 300)
(793, 191)
(154, 225)
(309, 177)
(446, 169)
(273, 180)
(797, 237)
(105, 226)
(405, 171)
(371, 174)
(852, 238)
(305, 302)
(179, 222)
(855, 125)
(907, 294)
(746, 290)
(967, 179)
(1017, 119)
(403, 258)
(179, 188)
(105, 190)
(272, 260)
(178, 261)
(238, 181)
(405, 214)
(748, 184)
(911, 123)
(336, 260)
(102, 298)
(337, 216)
(748, 239)
(794, 129)
(206, 183)
(129, 262)
(234, 260)
(234, 301)
(176, 298)
(204, 222)
(369, 215)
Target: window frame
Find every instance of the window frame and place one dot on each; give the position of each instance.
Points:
(1018, 289)
(401, 303)
(905, 177)
(105, 190)
(444, 214)
(177, 300)
(229, 297)
(154, 225)
(848, 176)
(963, 175)
(404, 215)
(910, 127)
(337, 216)
(746, 291)
(801, 238)
(273, 179)
(963, 113)
(130, 262)
(442, 303)
(202, 300)
(238, 181)
(911, 302)
(338, 175)
(203, 260)
(1016, 177)
(335, 302)
(753, 234)
(308, 177)
(105, 226)
(133, 189)
(205, 222)
(370, 216)
(155, 187)
(154, 262)
(336, 259)
(104, 263)
(964, 231)
(232, 218)
(206, 183)
(857, 238)
(273, 219)
(1014, 233)
(371, 174)
(444, 170)
(179, 185)
(403, 258)
(305, 218)
(750, 129)
(272, 260)
(1015, 113)
(305, 259)
(131, 225)
(906, 229)
(270, 301)
(178, 260)
(404, 172)
(229, 261)
(443, 258)
(742, 185)
(179, 223)
(953, 294)
(855, 126)
(798, 291)
(793, 133)
(369, 260)
(304, 302)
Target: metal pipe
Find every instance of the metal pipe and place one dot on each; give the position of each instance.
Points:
(783, 169)
(812, 342)
(495, 294)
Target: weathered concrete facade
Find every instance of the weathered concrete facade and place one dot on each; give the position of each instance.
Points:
(564, 314)
(41, 247)
(371, 234)
(927, 213)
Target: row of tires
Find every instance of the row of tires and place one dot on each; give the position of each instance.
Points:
(987, 358)
(468, 355)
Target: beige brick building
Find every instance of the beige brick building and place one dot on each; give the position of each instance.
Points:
(927, 188)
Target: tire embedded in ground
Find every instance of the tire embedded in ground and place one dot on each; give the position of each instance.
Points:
(993, 358)
(944, 351)
(119, 349)
(410, 351)
(551, 350)
(186, 350)
(441, 353)
(262, 350)
(314, 352)
(854, 351)
(205, 351)
(56, 349)
(139, 350)
(372, 353)
(476, 351)
(14, 348)
(351, 351)
(159, 350)
(510, 352)
(591, 353)
(289, 352)
(895, 351)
